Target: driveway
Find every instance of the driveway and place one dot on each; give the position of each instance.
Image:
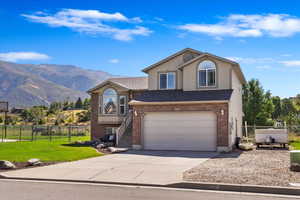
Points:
(148, 167)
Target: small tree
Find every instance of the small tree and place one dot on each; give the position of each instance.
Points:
(79, 104)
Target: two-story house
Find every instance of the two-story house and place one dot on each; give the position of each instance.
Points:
(190, 100)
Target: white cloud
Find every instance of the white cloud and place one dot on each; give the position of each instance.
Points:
(286, 55)
(251, 60)
(264, 67)
(92, 22)
(114, 61)
(16, 56)
(274, 25)
(291, 63)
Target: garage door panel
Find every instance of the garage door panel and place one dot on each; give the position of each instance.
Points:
(180, 131)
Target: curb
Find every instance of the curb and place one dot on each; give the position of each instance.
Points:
(238, 188)
(186, 185)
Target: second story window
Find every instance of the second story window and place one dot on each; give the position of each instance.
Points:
(207, 74)
(110, 102)
(167, 80)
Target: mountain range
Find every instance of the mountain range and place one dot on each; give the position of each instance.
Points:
(25, 85)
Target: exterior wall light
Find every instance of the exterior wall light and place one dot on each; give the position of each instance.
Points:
(222, 112)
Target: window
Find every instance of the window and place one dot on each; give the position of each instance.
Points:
(206, 74)
(122, 105)
(167, 80)
(110, 101)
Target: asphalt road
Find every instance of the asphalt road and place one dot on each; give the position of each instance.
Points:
(34, 190)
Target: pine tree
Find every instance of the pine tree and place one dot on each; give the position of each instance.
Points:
(79, 104)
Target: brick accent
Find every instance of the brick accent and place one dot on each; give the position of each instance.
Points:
(222, 120)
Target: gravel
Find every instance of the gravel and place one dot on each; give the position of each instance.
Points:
(257, 167)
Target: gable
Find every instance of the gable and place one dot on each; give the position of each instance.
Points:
(235, 66)
(175, 59)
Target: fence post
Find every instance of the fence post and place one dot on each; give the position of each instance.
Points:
(49, 132)
(20, 133)
(2, 135)
(32, 132)
(5, 124)
(69, 133)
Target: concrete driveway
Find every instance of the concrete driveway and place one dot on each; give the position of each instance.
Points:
(144, 167)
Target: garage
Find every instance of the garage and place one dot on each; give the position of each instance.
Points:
(193, 131)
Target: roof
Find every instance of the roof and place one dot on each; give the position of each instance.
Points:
(130, 83)
(170, 57)
(180, 95)
(236, 65)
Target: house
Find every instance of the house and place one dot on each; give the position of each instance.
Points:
(190, 100)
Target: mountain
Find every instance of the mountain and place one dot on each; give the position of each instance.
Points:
(26, 85)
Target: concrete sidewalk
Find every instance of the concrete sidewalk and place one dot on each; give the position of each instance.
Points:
(143, 167)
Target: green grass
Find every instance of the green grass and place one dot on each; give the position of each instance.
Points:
(294, 141)
(47, 151)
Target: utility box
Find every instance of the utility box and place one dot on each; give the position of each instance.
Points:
(295, 160)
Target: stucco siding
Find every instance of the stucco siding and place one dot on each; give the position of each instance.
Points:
(171, 65)
(223, 76)
(235, 109)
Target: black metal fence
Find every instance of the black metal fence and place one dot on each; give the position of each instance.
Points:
(31, 133)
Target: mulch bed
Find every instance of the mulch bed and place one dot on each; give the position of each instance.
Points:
(24, 165)
(257, 167)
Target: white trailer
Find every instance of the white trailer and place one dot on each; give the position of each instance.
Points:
(271, 136)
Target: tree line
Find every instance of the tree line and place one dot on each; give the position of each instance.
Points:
(54, 113)
(262, 109)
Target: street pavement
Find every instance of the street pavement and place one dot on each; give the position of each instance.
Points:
(37, 190)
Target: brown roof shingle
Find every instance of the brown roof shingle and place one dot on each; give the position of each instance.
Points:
(180, 95)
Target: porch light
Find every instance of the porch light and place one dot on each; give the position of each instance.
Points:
(135, 113)
(222, 112)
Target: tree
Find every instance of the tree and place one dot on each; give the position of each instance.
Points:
(253, 100)
(289, 111)
(35, 114)
(54, 108)
(277, 107)
(86, 104)
(78, 104)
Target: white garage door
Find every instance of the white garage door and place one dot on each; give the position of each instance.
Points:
(194, 131)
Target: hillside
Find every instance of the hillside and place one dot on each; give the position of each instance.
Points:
(26, 85)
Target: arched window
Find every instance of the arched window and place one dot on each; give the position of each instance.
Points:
(207, 74)
(110, 101)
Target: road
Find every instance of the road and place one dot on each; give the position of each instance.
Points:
(37, 190)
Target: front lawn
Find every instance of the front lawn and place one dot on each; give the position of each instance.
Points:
(47, 151)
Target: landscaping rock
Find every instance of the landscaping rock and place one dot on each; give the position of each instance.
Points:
(4, 164)
(295, 167)
(34, 162)
(100, 146)
(246, 146)
(116, 150)
(95, 143)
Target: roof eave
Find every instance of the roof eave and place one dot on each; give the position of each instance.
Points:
(134, 102)
(105, 83)
(145, 70)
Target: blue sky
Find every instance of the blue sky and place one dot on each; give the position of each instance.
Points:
(123, 37)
